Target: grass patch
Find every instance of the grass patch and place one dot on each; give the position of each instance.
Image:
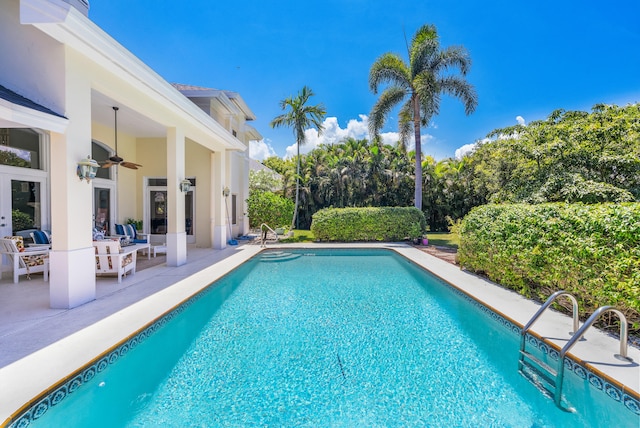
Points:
(299, 236)
(444, 239)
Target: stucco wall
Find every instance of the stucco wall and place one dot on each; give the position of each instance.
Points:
(198, 165)
(37, 62)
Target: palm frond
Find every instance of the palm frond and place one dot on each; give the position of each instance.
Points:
(391, 69)
(458, 87)
(389, 98)
(455, 56)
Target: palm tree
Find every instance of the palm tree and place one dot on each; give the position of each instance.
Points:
(421, 82)
(300, 117)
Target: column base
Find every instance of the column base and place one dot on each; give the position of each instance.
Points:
(176, 249)
(219, 237)
(72, 278)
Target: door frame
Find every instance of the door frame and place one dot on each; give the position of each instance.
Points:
(110, 185)
(146, 208)
(8, 174)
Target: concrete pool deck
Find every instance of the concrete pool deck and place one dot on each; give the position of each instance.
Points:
(40, 346)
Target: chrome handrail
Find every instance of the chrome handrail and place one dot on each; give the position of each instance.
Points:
(578, 335)
(546, 304)
(262, 235)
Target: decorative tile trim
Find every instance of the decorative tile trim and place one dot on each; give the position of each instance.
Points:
(596, 381)
(52, 397)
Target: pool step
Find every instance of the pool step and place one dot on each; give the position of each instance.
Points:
(278, 256)
(538, 372)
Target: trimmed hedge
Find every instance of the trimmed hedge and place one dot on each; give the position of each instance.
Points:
(368, 224)
(591, 251)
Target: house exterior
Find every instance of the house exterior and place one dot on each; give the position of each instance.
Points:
(60, 80)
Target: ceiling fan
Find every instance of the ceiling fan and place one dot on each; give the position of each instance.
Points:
(115, 159)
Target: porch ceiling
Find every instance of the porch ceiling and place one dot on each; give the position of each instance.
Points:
(129, 121)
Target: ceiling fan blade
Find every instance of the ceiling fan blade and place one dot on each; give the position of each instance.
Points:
(106, 164)
(130, 165)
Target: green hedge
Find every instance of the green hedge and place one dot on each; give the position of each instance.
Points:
(591, 251)
(368, 224)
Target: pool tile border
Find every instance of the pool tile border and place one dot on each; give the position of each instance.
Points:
(596, 381)
(57, 393)
(40, 405)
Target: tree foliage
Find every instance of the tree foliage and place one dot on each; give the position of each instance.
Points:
(572, 156)
(569, 157)
(418, 86)
(269, 208)
(300, 117)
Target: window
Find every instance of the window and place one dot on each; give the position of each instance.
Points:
(101, 153)
(20, 147)
(233, 209)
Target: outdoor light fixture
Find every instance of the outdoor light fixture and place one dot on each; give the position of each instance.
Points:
(226, 192)
(87, 169)
(185, 185)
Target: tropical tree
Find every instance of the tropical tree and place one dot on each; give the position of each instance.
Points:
(419, 84)
(299, 117)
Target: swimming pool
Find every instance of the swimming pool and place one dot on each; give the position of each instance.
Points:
(326, 338)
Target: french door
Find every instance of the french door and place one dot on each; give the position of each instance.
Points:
(155, 208)
(23, 203)
(104, 200)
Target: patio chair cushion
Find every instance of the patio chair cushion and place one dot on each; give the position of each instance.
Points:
(130, 231)
(29, 260)
(41, 237)
(126, 260)
(18, 240)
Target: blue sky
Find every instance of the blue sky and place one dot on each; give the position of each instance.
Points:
(529, 57)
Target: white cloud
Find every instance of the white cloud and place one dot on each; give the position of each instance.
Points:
(260, 150)
(520, 120)
(469, 148)
(465, 150)
(356, 128)
(332, 134)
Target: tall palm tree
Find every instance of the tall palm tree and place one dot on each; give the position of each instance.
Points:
(299, 117)
(421, 83)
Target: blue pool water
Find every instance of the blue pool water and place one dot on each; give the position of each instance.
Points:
(330, 338)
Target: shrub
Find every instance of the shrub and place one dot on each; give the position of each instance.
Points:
(368, 224)
(269, 208)
(590, 251)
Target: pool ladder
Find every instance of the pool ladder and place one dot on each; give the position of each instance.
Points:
(263, 235)
(534, 369)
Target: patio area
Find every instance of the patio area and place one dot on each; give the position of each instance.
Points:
(27, 323)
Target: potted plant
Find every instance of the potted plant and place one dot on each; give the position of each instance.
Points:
(136, 223)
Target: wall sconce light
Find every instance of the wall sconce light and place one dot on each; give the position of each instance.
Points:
(87, 169)
(185, 185)
(226, 192)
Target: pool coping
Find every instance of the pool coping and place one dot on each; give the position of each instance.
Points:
(54, 364)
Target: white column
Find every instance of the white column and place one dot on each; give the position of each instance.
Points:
(245, 195)
(218, 213)
(176, 233)
(72, 259)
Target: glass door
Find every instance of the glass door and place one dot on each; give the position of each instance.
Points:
(26, 206)
(156, 208)
(102, 210)
(158, 212)
(22, 208)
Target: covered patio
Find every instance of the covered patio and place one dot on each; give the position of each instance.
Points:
(95, 98)
(28, 323)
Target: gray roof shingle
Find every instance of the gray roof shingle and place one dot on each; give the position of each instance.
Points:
(12, 97)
